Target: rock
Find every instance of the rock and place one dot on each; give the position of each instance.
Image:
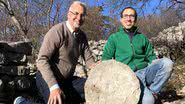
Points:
(22, 83)
(172, 39)
(1, 85)
(183, 91)
(112, 82)
(20, 47)
(9, 58)
(97, 48)
(181, 101)
(14, 70)
(81, 71)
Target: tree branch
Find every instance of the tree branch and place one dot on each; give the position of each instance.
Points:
(179, 2)
(7, 6)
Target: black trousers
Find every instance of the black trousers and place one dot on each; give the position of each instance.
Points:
(73, 89)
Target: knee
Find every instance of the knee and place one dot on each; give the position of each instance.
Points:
(167, 64)
(148, 99)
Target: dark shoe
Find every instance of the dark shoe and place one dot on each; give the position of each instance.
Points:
(156, 98)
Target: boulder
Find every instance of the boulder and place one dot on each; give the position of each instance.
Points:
(112, 82)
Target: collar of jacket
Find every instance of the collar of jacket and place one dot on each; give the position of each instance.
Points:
(135, 28)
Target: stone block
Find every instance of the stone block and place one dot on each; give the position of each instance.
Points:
(20, 47)
(9, 58)
(14, 70)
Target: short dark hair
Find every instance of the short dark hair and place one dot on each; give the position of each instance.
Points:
(121, 13)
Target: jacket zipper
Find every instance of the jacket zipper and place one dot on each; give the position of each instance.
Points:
(133, 54)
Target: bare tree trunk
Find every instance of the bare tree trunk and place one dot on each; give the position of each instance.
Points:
(49, 12)
(26, 17)
(57, 13)
(6, 5)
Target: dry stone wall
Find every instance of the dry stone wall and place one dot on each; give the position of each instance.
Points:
(14, 69)
(171, 42)
(172, 35)
(13, 57)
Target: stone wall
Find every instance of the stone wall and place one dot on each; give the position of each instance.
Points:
(171, 42)
(171, 36)
(14, 69)
(97, 48)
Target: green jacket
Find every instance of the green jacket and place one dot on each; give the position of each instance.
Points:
(136, 52)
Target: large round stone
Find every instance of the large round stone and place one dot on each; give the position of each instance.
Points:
(112, 82)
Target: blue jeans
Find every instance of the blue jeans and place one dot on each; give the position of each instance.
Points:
(152, 78)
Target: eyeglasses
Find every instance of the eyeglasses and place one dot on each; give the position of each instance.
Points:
(126, 16)
(78, 14)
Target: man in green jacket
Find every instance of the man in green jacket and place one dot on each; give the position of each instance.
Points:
(134, 49)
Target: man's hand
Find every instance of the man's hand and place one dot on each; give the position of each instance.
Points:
(55, 96)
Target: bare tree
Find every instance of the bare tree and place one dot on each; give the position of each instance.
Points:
(7, 6)
(94, 23)
(154, 23)
(30, 19)
(115, 6)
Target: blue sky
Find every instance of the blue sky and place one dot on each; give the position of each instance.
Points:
(148, 9)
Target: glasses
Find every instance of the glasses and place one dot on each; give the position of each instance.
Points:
(78, 14)
(125, 16)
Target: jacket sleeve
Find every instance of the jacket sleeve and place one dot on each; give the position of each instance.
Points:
(150, 55)
(49, 46)
(109, 49)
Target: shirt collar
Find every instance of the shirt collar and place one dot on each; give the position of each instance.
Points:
(69, 27)
(135, 28)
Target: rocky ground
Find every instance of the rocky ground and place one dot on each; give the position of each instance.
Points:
(174, 91)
